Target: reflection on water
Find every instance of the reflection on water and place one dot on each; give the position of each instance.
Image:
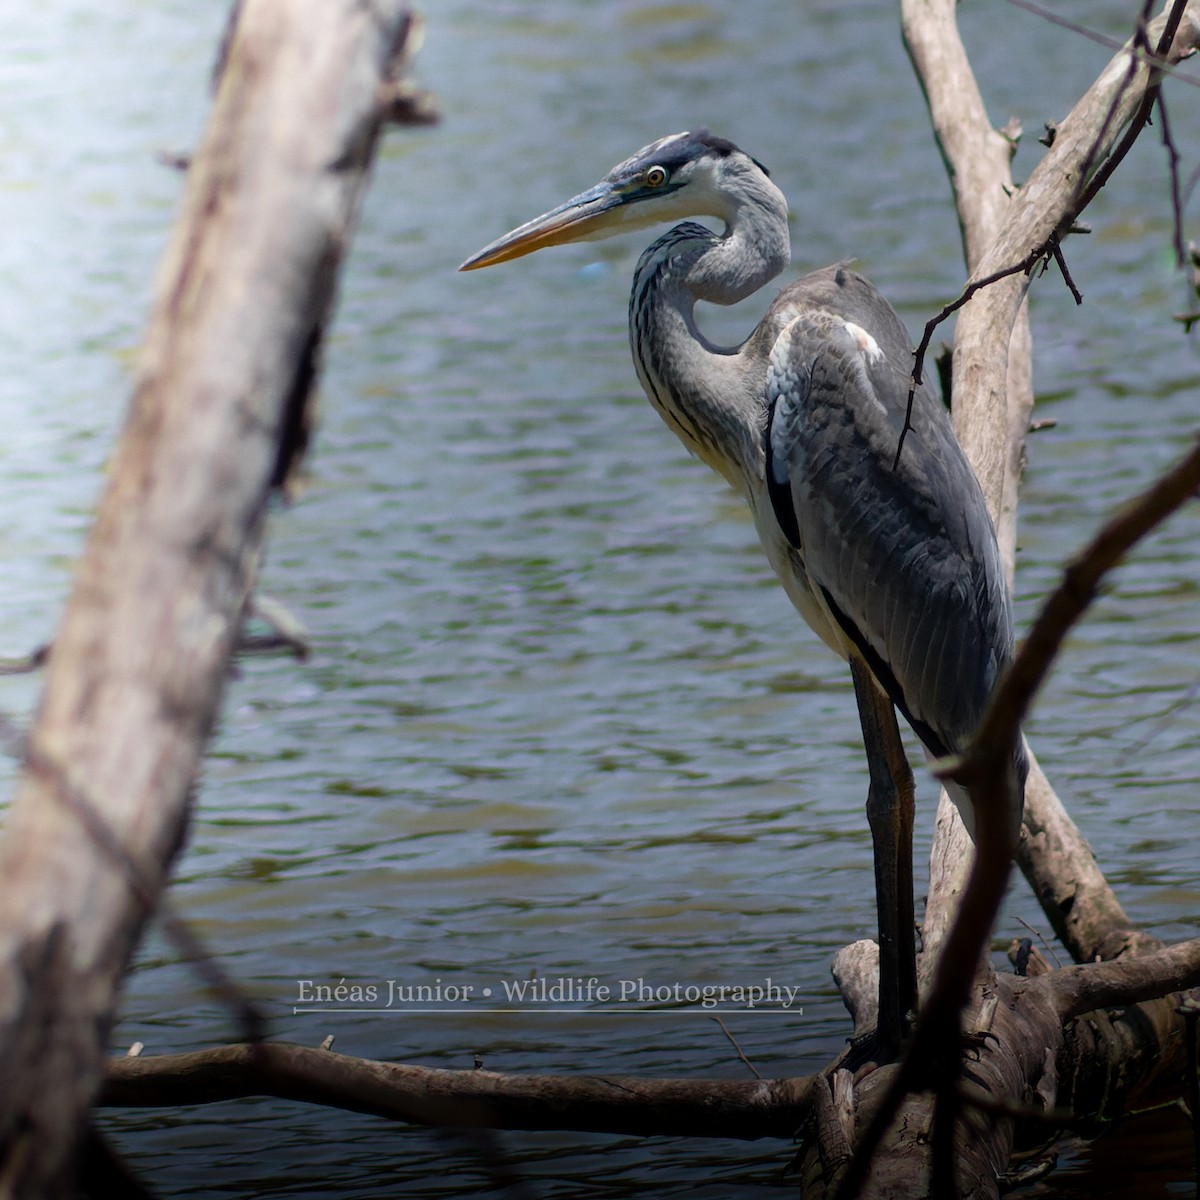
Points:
(560, 720)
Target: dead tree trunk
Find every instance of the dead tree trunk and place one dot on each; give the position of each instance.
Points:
(1003, 227)
(139, 662)
(993, 399)
(1029, 1052)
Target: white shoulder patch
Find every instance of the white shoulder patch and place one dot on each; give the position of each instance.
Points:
(866, 344)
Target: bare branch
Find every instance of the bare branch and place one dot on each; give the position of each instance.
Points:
(748, 1109)
(1172, 150)
(985, 769)
(1074, 168)
(1056, 251)
(993, 401)
(737, 1049)
(1086, 987)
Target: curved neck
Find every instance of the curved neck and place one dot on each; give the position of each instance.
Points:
(711, 397)
(754, 249)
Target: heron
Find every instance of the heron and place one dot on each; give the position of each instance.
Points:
(890, 557)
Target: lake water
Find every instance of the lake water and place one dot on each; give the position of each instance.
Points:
(559, 718)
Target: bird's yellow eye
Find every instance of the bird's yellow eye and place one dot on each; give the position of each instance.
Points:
(655, 176)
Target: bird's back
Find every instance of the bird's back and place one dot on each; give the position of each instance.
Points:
(903, 555)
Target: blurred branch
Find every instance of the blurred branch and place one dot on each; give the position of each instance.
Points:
(1062, 610)
(985, 769)
(142, 654)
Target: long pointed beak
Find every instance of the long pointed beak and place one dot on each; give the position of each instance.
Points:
(584, 216)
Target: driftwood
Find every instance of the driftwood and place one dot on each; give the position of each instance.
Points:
(432, 1096)
(218, 411)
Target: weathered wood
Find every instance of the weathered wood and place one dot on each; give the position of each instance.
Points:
(990, 349)
(133, 687)
(993, 400)
(1084, 1044)
(977, 159)
(750, 1109)
(993, 396)
(991, 407)
(1085, 987)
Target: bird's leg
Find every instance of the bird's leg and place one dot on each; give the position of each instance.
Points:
(890, 805)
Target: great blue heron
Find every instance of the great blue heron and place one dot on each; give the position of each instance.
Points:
(892, 561)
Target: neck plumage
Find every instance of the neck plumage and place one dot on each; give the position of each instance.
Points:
(711, 397)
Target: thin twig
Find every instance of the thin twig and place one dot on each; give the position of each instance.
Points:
(1163, 722)
(1066, 273)
(1043, 939)
(1133, 131)
(976, 285)
(1053, 18)
(1101, 39)
(1190, 186)
(733, 1043)
(1176, 192)
(1139, 46)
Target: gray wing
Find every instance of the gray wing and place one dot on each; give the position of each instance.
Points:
(904, 557)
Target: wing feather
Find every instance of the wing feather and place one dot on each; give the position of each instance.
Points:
(905, 556)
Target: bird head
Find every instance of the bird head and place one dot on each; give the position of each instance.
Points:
(685, 175)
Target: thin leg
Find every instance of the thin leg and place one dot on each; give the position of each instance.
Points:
(890, 806)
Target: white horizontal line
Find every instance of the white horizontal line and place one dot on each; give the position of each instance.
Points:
(458, 1011)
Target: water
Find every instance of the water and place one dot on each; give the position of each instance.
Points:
(559, 718)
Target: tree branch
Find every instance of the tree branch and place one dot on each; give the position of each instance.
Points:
(993, 400)
(1086, 987)
(990, 385)
(140, 659)
(748, 1109)
(1063, 608)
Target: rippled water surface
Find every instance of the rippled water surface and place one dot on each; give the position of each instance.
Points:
(559, 719)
